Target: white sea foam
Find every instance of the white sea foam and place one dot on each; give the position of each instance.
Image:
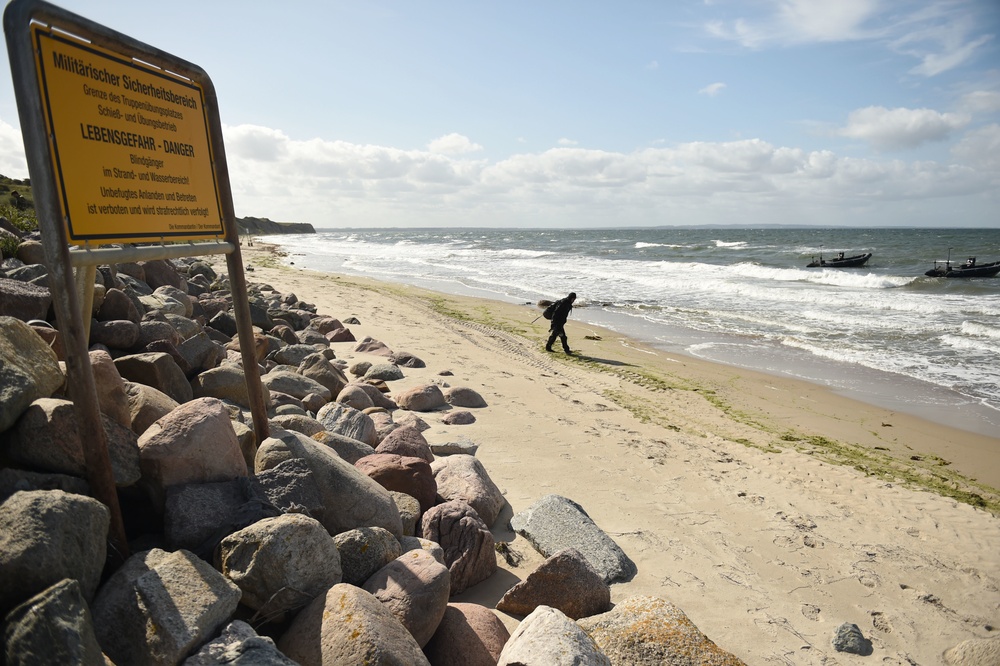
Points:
(981, 330)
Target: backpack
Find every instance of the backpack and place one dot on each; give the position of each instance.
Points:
(550, 310)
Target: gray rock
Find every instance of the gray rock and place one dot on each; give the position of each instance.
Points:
(201, 352)
(226, 382)
(359, 368)
(158, 370)
(281, 564)
(319, 369)
(411, 419)
(347, 448)
(349, 626)
(294, 384)
(554, 523)
(354, 396)
(647, 631)
(291, 487)
(115, 334)
(307, 425)
(53, 627)
(46, 536)
(159, 607)
(47, 437)
(423, 398)
(29, 369)
(350, 499)
(365, 550)
(156, 330)
(147, 405)
(310, 336)
(295, 354)
(461, 396)
(14, 480)
(409, 543)
(565, 581)
(195, 443)
(467, 542)
(468, 635)
(409, 511)
(406, 360)
(178, 296)
(548, 638)
(387, 372)
(369, 345)
(850, 639)
(23, 301)
(415, 588)
(239, 645)
(31, 252)
(345, 420)
(463, 477)
(377, 396)
(458, 418)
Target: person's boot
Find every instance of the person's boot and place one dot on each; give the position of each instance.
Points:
(548, 348)
(568, 350)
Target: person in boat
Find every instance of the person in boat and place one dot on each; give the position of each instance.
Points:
(840, 256)
(970, 263)
(557, 327)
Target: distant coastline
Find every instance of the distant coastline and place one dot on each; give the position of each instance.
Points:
(262, 226)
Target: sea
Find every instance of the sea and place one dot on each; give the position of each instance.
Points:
(884, 333)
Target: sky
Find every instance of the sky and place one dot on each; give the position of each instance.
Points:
(590, 114)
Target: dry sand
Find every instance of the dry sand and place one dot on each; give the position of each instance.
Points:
(717, 482)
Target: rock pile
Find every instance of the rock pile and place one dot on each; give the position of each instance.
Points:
(340, 539)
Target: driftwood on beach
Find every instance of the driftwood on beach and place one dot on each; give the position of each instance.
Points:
(342, 538)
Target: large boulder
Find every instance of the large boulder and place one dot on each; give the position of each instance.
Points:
(156, 369)
(159, 607)
(422, 398)
(346, 447)
(463, 477)
(294, 384)
(147, 405)
(565, 581)
(467, 542)
(415, 588)
(52, 627)
(547, 637)
(347, 625)
(412, 476)
(350, 499)
(46, 536)
(29, 369)
(47, 437)
(23, 301)
(318, 368)
(462, 396)
(406, 441)
(468, 635)
(280, 564)
(365, 550)
(226, 382)
(646, 630)
(195, 443)
(110, 388)
(554, 523)
(345, 420)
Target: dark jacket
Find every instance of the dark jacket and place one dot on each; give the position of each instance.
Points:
(563, 307)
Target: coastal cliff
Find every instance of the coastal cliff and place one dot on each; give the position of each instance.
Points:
(264, 227)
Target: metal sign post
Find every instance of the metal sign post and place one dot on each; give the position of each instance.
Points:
(124, 145)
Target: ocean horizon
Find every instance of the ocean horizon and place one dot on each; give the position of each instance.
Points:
(884, 333)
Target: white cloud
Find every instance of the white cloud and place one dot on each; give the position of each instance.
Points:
(980, 101)
(453, 144)
(896, 129)
(12, 161)
(940, 34)
(335, 183)
(712, 89)
(980, 149)
(566, 142)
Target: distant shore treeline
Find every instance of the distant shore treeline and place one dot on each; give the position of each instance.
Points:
(262, 226)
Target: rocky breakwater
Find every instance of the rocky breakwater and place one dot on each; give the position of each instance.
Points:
(341, 539)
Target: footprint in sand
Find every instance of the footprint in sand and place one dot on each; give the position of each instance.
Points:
(810, 612)
(881, 622)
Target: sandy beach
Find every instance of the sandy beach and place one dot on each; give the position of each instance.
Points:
(770, 510)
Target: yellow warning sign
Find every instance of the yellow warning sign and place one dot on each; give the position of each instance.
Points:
(130, 145)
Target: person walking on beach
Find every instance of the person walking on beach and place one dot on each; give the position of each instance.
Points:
(559, 316)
